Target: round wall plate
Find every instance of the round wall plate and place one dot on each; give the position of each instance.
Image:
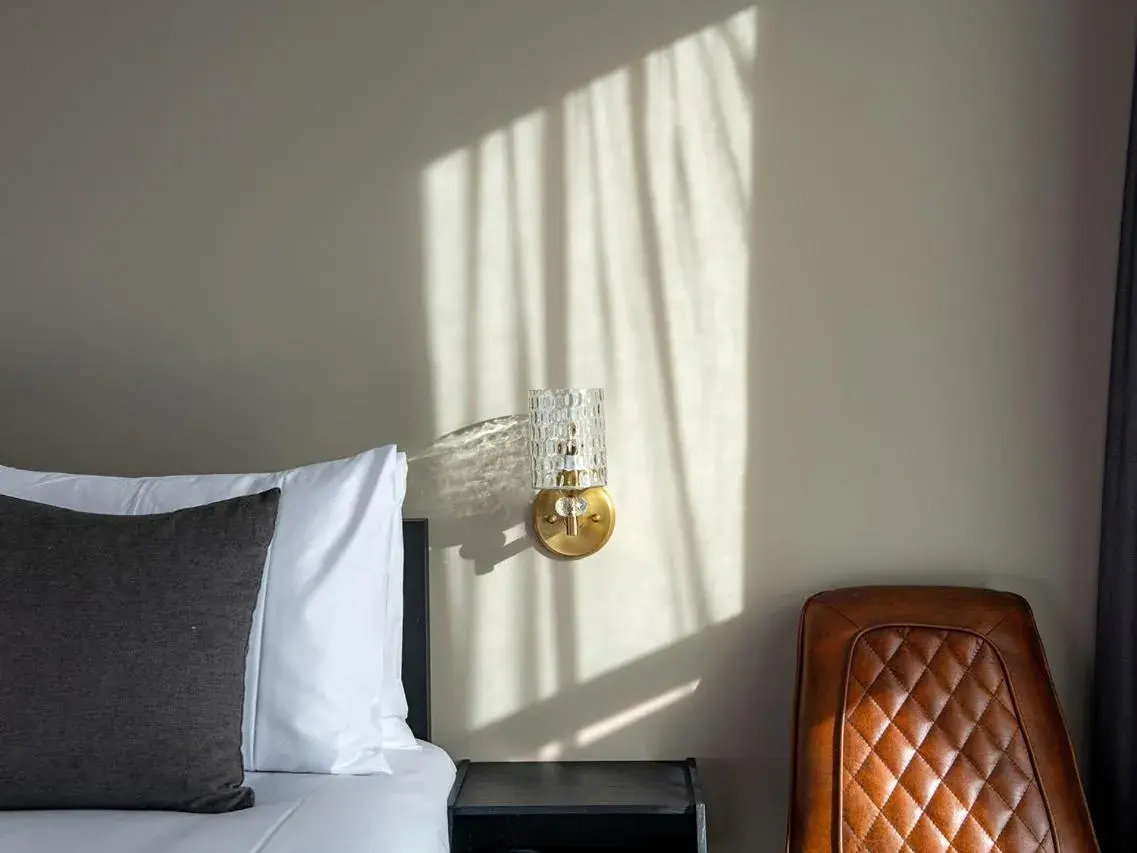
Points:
(594, 527)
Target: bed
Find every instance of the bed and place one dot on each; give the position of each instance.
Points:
(404, 812)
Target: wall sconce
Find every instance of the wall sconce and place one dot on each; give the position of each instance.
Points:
(573, 514)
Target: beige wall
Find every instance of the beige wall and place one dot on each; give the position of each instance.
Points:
(844, 268)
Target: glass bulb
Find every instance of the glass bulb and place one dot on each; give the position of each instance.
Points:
(567, 447)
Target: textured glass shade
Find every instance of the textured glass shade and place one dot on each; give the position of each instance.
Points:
(567, 438)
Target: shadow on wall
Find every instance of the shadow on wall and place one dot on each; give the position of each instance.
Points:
(473, 485)
(732, 714)
(600, 236)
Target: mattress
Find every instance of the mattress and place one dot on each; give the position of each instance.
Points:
(404, 812)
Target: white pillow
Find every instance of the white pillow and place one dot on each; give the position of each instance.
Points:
(322, 683)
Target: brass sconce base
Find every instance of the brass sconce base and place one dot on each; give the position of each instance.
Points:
(594, 528)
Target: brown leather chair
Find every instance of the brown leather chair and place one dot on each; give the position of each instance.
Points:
(926, 721)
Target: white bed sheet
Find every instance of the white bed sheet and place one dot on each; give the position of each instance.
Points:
(404, 812)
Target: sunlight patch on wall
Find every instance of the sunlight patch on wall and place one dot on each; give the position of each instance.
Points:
(484, 265)
(596, 732)
(604, 241)
(484, 274)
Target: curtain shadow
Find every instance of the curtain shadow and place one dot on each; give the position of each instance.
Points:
(648, 221)
(576, 707)
(599, 158)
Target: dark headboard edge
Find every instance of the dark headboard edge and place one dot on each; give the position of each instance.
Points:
(416, 625)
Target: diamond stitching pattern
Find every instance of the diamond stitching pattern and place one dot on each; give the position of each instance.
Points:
(934, 759)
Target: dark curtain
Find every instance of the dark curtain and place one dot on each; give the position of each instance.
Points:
(1113, 751)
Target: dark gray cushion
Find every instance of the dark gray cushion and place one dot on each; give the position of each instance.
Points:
(122, 654)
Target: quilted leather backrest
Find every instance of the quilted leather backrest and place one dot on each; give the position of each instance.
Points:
(926, 722)
(933, 755)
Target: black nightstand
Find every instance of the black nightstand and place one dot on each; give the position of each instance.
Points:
(557, 807)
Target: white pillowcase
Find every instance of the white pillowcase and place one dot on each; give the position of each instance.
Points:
(323, 692)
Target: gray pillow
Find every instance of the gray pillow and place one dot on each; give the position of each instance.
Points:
(122, 654)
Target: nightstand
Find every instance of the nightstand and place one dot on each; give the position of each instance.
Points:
(558, 807)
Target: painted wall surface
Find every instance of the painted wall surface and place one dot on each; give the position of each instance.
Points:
(844, 269)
